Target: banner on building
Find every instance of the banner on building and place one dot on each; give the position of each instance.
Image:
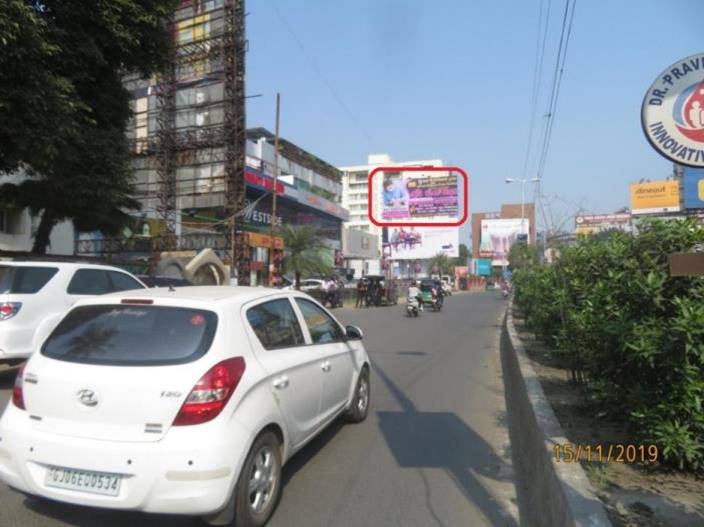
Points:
(655, 198)
(497, 237)
(592, 223)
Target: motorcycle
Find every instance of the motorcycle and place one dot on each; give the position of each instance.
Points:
(412, 307)
(504, 293)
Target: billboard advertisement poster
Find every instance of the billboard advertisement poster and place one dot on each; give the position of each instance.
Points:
(591, 223)
(693, 188)
(497, 237)
(655, 197)
(420, 243)
(672, 113)
(418, 195)
(422, 196)
(483, 266)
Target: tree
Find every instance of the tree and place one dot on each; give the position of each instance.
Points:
(443, 264)
(64, 109)
(522, 255)
(464, 255)
(304, 246)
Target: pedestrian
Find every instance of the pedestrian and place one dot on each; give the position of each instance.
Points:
(330, 288)
(361, 293)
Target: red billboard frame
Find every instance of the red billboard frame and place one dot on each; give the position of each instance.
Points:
(465, 196)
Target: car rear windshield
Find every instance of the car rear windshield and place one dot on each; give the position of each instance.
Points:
(24, 280)
(132, 335)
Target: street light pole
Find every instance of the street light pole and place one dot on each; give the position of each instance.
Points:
(270, 262)
(523, 194)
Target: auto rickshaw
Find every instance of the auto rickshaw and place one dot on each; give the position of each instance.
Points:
(426, 292)
(380, 291)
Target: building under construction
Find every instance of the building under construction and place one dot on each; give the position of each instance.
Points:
(203, 180)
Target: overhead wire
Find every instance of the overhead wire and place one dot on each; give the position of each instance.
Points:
(323, 78)
(537, 77)
(565, 35)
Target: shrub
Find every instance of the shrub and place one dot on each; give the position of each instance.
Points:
(630, 333)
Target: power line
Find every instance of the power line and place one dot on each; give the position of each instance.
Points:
(557, 83)
(537, 78)
(323, 78)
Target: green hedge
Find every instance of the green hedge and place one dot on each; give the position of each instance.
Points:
(630, 333)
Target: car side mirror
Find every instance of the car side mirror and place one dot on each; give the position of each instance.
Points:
(353, 333)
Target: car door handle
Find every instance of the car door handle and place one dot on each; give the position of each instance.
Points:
(326, 366)
(280, 383)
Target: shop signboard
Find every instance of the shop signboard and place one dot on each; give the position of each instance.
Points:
(693, 188)
(483, 266)
(591, 223)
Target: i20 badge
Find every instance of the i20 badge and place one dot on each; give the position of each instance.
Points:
(672, 113)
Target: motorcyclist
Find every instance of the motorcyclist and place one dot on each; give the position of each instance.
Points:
(439, 292)
(414, 292)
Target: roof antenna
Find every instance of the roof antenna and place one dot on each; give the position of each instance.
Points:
(171, 288)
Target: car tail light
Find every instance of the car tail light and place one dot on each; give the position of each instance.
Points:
(9, 309)
(17, 394)
(211, 393)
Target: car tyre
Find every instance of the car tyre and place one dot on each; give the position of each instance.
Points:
(359, 408)
(259, 485)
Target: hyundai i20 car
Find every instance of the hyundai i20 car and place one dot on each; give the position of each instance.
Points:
(184, 401)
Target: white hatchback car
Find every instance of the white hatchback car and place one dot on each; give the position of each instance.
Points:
(183, 401)
(35, 295)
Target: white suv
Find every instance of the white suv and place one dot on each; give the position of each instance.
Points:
(185, 401)
(35, 295)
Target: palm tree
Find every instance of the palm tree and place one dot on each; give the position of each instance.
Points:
(443, 264)
(304, 245)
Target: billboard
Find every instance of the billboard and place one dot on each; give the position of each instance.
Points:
(418, 243)
(497, 237)
(592, 223)
(693, 188)
(655, 197)
(418, 196)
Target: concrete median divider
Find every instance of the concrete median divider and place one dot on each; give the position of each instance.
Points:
(552, 493)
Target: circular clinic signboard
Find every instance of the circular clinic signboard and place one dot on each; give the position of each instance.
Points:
(672, 114)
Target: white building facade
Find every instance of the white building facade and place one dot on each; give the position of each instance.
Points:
(355, 198)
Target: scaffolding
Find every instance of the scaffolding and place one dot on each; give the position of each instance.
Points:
(188, 132)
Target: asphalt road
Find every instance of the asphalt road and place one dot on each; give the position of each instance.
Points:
(433, 452)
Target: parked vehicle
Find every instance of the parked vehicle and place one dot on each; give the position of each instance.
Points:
(308, 285)
(380, 291)
(163, 281)
(34, 296)
(140, 401)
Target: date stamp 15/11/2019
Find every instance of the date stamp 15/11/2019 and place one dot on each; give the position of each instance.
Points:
(614, 453)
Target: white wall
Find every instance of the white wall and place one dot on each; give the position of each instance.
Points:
(20, 236)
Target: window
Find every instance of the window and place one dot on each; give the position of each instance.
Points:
(25, 280)
(322, 327)
(127, 335)
(275, 324)
(123, 282)
(89, 282)
(2, 221)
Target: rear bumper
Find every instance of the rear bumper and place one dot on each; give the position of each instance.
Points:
(186, 472)
(15, 343)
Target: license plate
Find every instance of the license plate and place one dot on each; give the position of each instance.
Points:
(83, 481)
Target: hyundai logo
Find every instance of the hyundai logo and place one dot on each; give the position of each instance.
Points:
(87, 397)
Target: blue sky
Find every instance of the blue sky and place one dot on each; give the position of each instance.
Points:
(453, 80)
